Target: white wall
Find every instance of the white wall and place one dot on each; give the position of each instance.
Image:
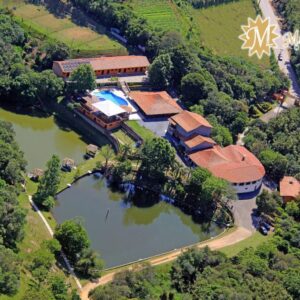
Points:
(247, 188)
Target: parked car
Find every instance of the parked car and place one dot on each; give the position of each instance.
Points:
(266, 225)
(263, 230)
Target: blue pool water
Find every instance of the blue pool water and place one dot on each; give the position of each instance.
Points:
(108, 95)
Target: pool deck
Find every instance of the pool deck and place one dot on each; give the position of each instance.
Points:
(131, 79)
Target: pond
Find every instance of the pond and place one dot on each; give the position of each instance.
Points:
(122, 232)
(39, 137)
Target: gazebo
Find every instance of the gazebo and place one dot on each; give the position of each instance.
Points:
(91, 150)
(36, 174)
(67, 164)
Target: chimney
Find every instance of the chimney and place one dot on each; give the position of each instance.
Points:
(244, 158)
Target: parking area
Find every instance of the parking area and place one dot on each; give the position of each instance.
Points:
(157, 126)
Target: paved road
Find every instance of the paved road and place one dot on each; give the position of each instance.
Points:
(285, 65)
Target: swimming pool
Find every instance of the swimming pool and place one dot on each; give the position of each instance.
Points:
(111, 96)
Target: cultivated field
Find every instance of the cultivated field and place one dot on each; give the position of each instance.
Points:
(161, 14)
(220, 27)
(217, 27)
(80, 38)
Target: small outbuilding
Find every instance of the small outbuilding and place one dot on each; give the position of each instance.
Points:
(67, 164)
(36, 174)
(91, 150)
(289, 188)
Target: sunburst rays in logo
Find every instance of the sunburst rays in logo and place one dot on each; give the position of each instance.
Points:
(259, 37)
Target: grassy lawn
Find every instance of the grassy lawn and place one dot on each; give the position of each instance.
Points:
(78, 38)
(220, 27)
(145, 133)
(216, 27)
(253, 241)
(123, 137)
(162, 14)
(35, 234)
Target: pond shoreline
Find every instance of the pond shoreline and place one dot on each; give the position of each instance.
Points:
(158, 221)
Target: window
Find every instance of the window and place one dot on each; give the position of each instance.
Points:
(253, 182)
(241, 184)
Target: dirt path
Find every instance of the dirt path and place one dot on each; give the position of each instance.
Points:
(229, 239)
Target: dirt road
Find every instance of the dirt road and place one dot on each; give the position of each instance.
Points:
(229, 239)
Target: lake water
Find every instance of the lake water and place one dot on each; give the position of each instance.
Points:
(40, 137)
(129, 232)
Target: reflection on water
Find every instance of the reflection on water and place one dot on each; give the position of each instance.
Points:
(129, 232)
(40, 137)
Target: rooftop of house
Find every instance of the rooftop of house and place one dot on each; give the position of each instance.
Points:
(108, 108)
(233, 163)
(91, 148)
(189, 121)
(68, 162)
(105, 62)
(289, 187)
(156, 103)
(198, 140)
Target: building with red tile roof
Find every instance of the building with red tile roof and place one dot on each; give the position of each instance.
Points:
(289, 188)
(233, 163)
(155, 104)
(187, 125)
(198, 142)
(104, 66)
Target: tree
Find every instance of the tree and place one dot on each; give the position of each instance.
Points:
(12, 217)
(59, 288)
(274, 162)
(157, 156)
(82, 79)
(73, 239)
(107, 152)
(49, 86)
(198, 177)
(268, 203)
(9, 272)
(217, 191)
(191, 264)
(195, 86)
(55, 51)
(89, 264)
(49, 183)
(121, 170)
(161, 72)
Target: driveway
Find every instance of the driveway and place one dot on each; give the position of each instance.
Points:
(157, 126)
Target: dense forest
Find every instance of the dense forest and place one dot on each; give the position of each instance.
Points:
(277, 144)
(12, 216)
(23, 63)
(271, 271)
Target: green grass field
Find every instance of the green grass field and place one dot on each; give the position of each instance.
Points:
(161, 14)
(142, 131)
(253, 241)
(78, 38)
(123, 138)
(220, 27)
(217, 27)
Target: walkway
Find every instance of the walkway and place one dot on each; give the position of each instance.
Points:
(285, 65)
(52, 234)
(128, 78)
(215, 244)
